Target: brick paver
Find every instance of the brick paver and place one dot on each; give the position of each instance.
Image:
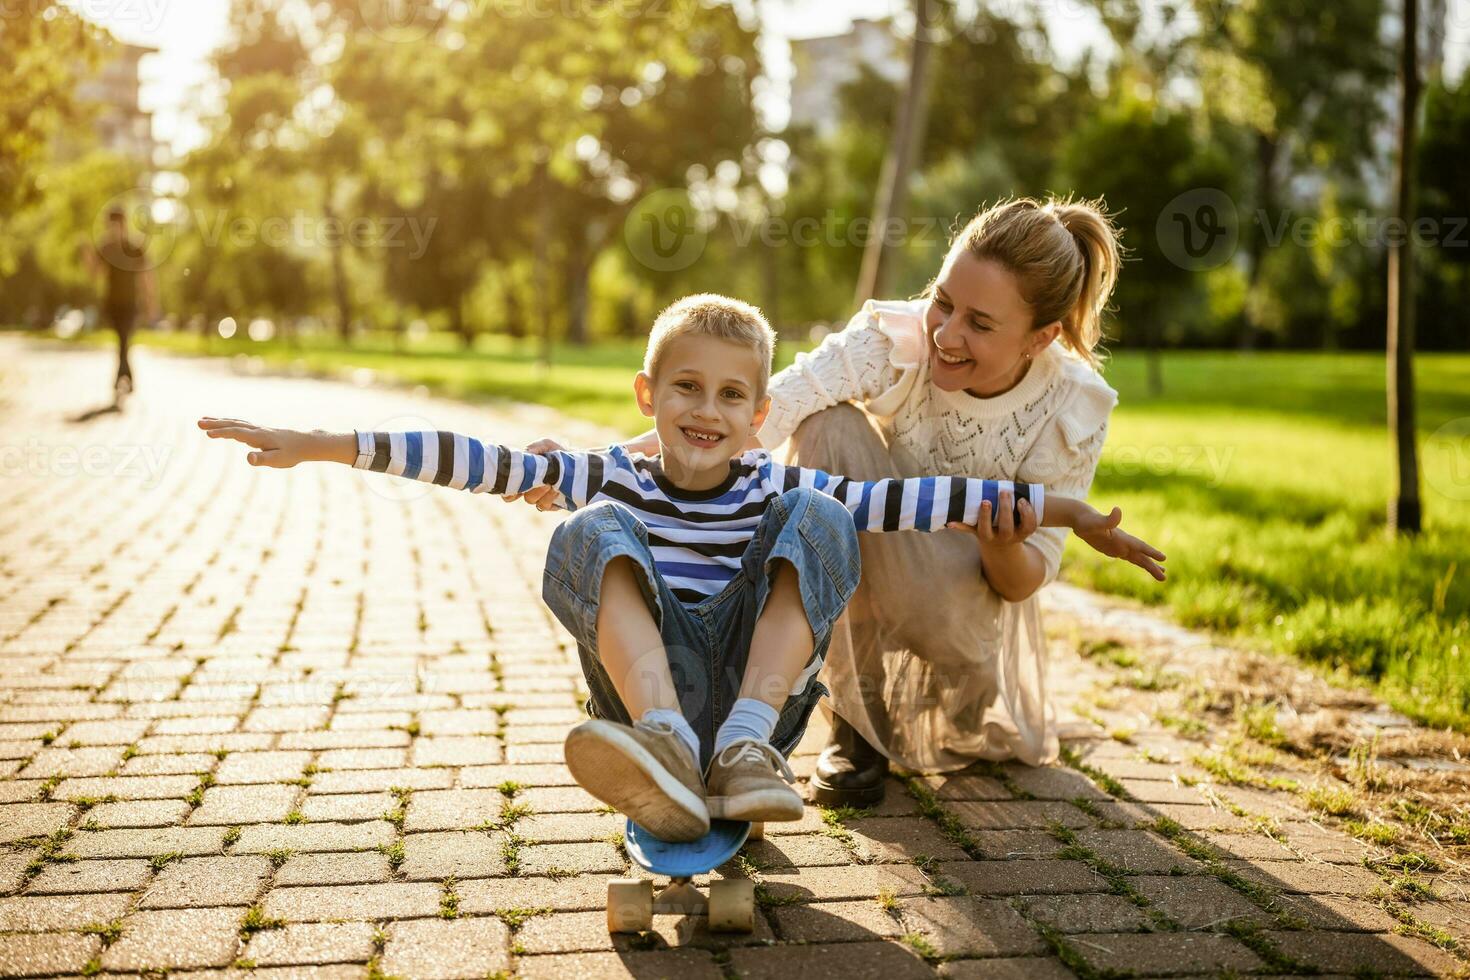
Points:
(309, 724)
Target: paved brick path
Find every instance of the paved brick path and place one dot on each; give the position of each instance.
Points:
(310, 724)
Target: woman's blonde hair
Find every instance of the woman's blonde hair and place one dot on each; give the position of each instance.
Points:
(1065, 256)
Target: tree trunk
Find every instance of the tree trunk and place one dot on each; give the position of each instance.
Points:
(1153, 366)
(771, 286)
(515, 314)
(910, 117)
(627, 319)
(577, 269)
(1404, 512)
(1267, 149)
(1155, 370)
(539, 261)
(458, 323)
(340, 290)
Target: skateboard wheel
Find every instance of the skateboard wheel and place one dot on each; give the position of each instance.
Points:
(629, 905)
(731, 905)
(757, 831)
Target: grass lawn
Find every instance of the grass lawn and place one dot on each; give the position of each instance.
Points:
(1264, 477)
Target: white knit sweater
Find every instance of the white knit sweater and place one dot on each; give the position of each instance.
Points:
(1049, 429)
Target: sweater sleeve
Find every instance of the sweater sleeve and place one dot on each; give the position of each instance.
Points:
(461, 462)
(1065, 458)
(853, 364)
(920, 503)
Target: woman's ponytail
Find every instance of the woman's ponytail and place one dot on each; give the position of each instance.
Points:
(1065, 255)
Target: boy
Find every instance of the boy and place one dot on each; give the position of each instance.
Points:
(701, 589)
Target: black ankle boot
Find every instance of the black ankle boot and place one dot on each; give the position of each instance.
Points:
(850, 772)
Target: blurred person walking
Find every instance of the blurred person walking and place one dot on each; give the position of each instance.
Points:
(120, 259)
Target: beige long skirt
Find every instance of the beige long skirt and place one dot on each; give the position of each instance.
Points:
(918, 660)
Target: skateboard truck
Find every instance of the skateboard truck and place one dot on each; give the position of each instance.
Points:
(680, 897)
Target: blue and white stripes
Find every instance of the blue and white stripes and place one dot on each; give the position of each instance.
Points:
(697, 537)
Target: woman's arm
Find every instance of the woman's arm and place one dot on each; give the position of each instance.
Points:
(852, 364)
(1064, 458)
(1001, 513)
(647, 444)
(1015, 568)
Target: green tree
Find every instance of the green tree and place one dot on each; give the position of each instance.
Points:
(52, 235)
(1305, 80)
(248, 241)
(1000, 109)
(905, 143)
(525, 136)
(1444, 198)
(45, 48)
(1140, 156)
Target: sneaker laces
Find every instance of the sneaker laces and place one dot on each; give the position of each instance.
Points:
(748, 749)
(664, 728)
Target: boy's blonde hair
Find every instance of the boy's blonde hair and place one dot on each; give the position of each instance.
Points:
(711, 315)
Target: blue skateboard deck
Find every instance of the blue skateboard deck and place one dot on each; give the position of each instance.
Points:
(685, 859)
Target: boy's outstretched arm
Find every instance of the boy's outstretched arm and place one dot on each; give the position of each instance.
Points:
(284, 448)
(1001, 512)
(446, 459)
(1102, 533)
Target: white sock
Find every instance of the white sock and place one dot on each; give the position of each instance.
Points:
(750, 718)
(680, 725)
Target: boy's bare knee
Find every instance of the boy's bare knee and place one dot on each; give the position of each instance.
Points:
(786, 587)
(619, 578)
(783, 574)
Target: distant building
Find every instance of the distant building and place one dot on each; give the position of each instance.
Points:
(110, 91)
(824, 64)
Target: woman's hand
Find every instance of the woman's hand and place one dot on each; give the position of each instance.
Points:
(1015, 524)
(283, 448)
(542, 497)
(1103, 535)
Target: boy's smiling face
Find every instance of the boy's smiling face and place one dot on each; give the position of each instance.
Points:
(704, 406)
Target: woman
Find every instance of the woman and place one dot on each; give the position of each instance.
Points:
(940, 658)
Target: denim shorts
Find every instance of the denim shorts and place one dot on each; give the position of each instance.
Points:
(707, 644)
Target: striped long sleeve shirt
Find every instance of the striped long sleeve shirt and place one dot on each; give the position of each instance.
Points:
(697, 537)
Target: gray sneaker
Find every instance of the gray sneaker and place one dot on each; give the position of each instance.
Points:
(750, 780)
(644, 771)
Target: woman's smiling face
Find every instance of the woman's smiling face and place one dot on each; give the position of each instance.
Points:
(979, 328)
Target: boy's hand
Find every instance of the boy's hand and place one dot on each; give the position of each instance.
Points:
(542, 497)
(277, 448)
(1103, 535)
